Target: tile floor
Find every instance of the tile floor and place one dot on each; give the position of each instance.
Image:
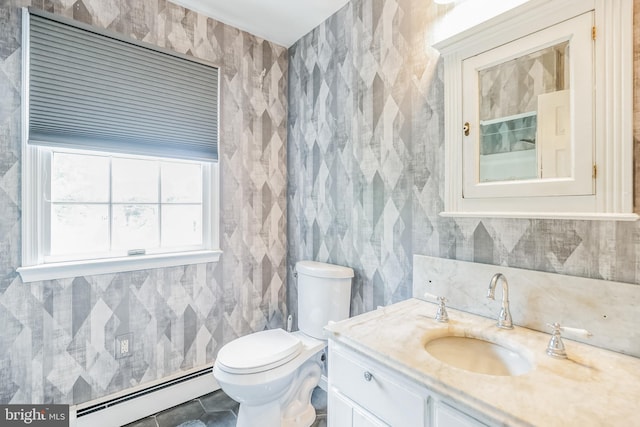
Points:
(217, 410)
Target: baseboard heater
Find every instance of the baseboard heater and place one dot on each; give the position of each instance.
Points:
(140, 402)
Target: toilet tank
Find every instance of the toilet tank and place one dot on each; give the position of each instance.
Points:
(324, 294)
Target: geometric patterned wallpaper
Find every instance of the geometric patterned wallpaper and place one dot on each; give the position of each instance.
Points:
(364, 150)
(507, 88)
(366, 164)
(57, 337)
(357, 85)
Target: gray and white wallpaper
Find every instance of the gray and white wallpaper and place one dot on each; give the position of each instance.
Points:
(512, 87)
(366, 174)
(57, 337)
(360, 160)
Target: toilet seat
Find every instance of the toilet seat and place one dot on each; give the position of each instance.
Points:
(258, 352)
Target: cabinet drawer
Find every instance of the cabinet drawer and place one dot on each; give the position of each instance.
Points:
(375, 390)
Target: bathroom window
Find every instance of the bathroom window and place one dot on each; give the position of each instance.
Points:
(110, 205)
(119, 153)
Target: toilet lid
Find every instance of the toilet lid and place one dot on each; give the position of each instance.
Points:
(258, 352)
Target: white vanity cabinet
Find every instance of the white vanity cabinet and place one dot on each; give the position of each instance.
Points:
(364, 393)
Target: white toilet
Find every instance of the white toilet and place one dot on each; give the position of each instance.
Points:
(272, 373)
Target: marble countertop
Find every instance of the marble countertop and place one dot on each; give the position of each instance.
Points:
(593, 387)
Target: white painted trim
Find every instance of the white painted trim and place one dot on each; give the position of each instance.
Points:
(30, 159)
(453, 132)
(61, 270)
(544, 215)
(613, 199)
(507, 118)
(323, 382)
(144, 406)
(616, 23)
(532, 16)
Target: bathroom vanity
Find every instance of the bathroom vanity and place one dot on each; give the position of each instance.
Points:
(385, 370)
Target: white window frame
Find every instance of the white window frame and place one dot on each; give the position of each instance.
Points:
(36, 170)
(35, 178)
(612, 118)
(36, 165)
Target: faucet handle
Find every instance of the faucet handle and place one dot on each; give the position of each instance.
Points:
(431, 296)
(441, 314)
(576, 331)
(556, 346)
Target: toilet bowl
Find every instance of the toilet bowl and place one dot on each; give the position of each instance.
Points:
(268, 371)
(272, 373)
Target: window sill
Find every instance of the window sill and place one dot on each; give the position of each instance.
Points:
(62, 270)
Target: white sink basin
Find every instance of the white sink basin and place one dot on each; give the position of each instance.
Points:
(477, 355)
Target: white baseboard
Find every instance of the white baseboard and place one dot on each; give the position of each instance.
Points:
(145, 400)
(323, 382)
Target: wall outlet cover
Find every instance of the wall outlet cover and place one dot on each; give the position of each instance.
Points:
(124, 345)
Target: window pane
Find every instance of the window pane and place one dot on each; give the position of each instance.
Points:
(181, 225)
(135, 227)
(134, 180)
(79, 229)
(181, 182)
(79, 178)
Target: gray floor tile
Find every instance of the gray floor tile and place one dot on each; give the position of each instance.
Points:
(218, 410)
(219, 419)
(175, 416)
(219, 401)
(321, 421)
(145, 422)
(192, 423)
(319, 400)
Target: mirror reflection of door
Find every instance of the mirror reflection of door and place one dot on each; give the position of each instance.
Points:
(524, 112)
(554, 134)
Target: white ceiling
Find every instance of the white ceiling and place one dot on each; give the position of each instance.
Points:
(281, 21)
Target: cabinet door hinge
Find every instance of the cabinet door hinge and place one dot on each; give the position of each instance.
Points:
(594, 32)
(595, 171)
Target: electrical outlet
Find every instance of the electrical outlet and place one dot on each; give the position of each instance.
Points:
(124, 345)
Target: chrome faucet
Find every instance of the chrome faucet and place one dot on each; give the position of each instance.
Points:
(556, 346)
(441, 315)
(504, 320)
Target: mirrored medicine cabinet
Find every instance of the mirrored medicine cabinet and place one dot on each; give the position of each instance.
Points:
(538, 113)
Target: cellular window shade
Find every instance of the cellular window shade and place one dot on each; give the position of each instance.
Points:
(89, 90)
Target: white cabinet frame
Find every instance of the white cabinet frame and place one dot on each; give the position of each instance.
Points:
(613, 111)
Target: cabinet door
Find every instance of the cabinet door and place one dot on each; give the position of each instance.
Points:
(339, 410)
(509, 137)
(342, 412)
(446, 416)
(362, 418)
